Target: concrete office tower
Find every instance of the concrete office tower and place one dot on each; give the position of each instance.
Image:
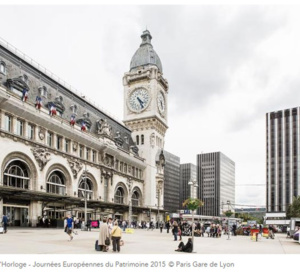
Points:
(188, 172)
(172, 182)
(282, 166)
(216, 179)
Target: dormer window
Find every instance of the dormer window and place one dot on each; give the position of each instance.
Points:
(43, 91)
(2, 68)
(74, 109)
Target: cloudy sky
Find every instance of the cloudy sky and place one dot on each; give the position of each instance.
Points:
(227, 66)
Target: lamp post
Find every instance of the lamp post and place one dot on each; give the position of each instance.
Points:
(191, 185)
(85, 200)
(228, 229)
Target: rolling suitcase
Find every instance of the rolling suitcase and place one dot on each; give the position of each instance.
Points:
(97, 247)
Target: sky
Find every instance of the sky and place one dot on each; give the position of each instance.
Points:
(227, 66)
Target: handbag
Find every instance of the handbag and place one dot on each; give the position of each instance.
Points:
(121, 242)
(107, 241)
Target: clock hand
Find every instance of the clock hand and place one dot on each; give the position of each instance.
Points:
(161, 105)
(141, 102)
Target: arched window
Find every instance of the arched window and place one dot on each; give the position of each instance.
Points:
(142, 139)
(3, 68)
(137, 140)
(85, 186)
(56, 183)
(135, 199)
(119, 196)
(16, 174)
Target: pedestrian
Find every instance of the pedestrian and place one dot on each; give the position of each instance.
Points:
(5, 222)
(116, 235)
(103, 235)
(168, 226)
(110, 225)
(175, 230)
(185, 248)
(124, 225)
(179, 233)
(161, 226)
(88, 224)
(69, 225)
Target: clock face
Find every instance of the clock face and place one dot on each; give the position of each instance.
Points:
(139, 100)
(161, 103)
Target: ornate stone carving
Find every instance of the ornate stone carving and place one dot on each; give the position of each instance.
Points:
(75, 166)
(103, 128)
(42, 156)
(107, 159)
(75, 146)
(42, 133)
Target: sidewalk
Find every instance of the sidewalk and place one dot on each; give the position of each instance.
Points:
(55, 241)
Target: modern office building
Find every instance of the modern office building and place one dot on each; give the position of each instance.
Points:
(188, 173)
(59, 151)
(216, 180)
(172, 183)
(282, 160)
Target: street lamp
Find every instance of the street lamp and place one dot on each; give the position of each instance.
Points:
(228, 229)
(85, 201)
(191, 184)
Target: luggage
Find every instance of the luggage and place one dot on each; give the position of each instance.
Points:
(1, 230)
(97, 247)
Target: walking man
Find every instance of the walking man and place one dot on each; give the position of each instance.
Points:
(5, 222)
(69, 226)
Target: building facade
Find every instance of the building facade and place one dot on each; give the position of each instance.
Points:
(172, 183)
(216, 180)
(60, 152)
(282, 159)
(188, 173)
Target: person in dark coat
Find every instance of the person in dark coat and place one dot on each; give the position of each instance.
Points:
(168, 226)
(185, 248)
(5, 222)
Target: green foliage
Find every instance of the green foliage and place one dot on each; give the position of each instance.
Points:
(294, 208)
(228, 213)
(192, 203)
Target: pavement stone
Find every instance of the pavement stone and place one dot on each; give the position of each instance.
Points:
(55, 241)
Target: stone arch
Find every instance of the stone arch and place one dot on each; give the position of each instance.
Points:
(66, 174)
(121, 187)
(33, 173)
(137, 190)
(93, 182)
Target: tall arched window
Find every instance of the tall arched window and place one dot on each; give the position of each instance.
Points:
(56, 183)
(119, 196)
(85, 186)
(16, 174)
(135, 199)
(2, 67)
(137, 140)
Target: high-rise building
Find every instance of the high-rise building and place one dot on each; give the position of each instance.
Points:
(172, 182)
(216, 180)
(188, 173)
(282, 165)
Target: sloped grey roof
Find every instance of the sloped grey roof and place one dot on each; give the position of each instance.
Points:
(145, 55)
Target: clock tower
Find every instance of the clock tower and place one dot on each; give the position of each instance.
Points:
(145, 113)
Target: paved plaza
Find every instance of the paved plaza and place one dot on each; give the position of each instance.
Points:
(55, 241)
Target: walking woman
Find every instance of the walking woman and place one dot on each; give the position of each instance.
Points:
(175, 230)
(116, 235)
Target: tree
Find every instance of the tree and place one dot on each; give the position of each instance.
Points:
(192, 203)
(228, 213)
(294, 208)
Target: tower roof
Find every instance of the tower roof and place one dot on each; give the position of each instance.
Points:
(145, 55)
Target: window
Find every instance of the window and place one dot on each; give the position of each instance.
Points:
(94, 154)
(8, 123)
(137, 140)
(16, 174)
(56, 183)
(121, 166)
(67, 145)
(49, 139)
(119, 196)
(125, 168)
(59, 140)
(2, 68)
(80, 151)
(117, 164)
(30, 131)
(135, 199)
(20, 127)
(85, 186)
(87, 154)
(43, 91)
(142, 139)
